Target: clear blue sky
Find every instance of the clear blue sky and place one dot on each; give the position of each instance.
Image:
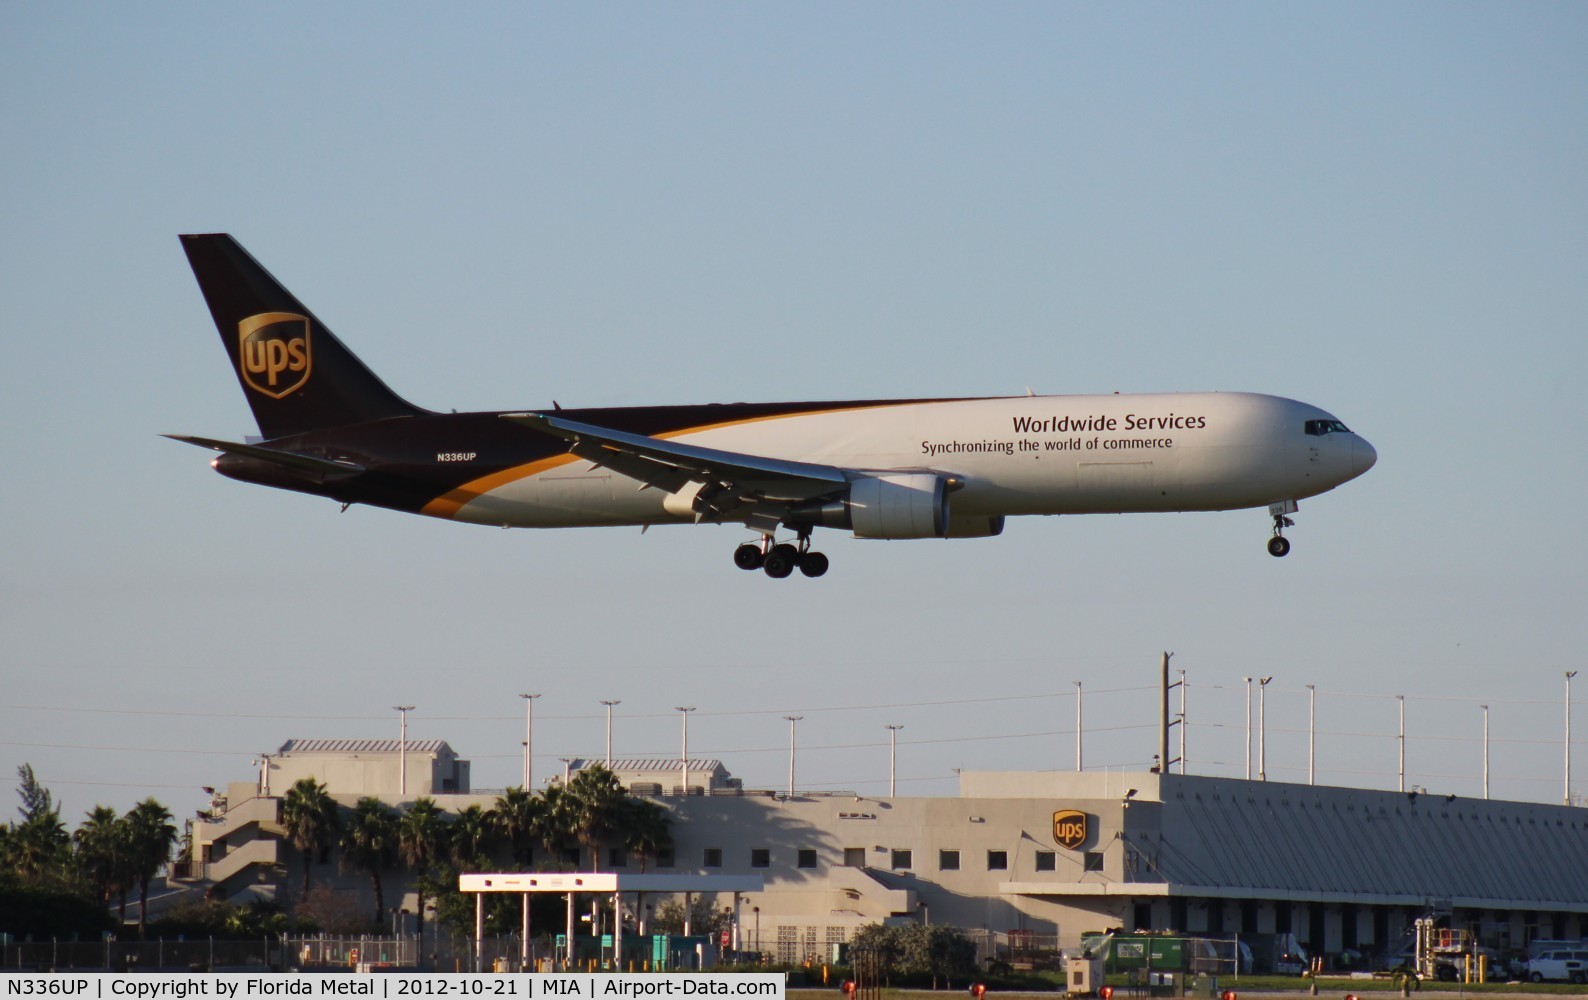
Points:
(1379, 209)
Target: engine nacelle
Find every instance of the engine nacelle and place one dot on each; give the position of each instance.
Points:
(892, 505)
(972, 526)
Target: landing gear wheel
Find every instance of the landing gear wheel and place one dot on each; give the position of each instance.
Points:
(780, 562)
(813, 564)
(1278, 545)
(748, 556)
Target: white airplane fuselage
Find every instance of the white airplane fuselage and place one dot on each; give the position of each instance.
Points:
(1015, 456)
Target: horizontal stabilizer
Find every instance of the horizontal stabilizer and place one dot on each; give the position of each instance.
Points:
(289, 459)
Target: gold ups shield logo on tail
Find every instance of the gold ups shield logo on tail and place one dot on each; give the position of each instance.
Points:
(1069, 828)
(273, 352)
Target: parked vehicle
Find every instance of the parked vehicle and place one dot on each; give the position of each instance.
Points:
(1565, 964)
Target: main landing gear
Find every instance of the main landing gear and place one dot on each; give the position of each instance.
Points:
(780, 560)
(1279, 545)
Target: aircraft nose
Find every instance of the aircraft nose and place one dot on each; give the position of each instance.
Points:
(1363, 456)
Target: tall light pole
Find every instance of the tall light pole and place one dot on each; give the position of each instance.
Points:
(791, 720)
(609, 703)
(1262, 728)
(1401, 739)
(1485, 750)
(1569, 675)
(402, 750)
(1077, 725)
(893, 746)
(1312, 734)
(684, 710)
(1183, 724)
(1248, 729)
(529, 737)
(1163, 713)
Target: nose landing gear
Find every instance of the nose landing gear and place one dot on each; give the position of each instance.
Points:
(780, 560)
(1279, 545)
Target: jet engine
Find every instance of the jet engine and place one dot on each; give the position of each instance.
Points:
(889, 505)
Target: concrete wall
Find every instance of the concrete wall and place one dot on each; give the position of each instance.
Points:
(372, 772)
(1221, 856)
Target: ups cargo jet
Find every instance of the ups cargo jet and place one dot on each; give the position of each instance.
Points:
(900, 468)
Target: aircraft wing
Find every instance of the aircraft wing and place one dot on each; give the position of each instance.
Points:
(731, 479)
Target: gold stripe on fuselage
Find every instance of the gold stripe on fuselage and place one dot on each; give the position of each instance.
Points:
(449, 503)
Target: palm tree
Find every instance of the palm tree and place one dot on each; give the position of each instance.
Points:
(594, 809)
(422, 834)
(473, 834)
(150, 837)
(551, 826)
(591, 808)
(518, 817)
(369, 843)
(102, 844)
(646, 829)
(310, 817)
(38, 843)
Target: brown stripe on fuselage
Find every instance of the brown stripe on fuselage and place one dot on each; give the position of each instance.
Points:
(449, 503)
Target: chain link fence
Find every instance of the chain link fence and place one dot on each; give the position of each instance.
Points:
(436, 951)
(158, 955)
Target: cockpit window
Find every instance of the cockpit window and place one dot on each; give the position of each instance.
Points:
(1318, 428)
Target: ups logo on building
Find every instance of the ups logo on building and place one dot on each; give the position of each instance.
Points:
(273, 352)
(1070, 828)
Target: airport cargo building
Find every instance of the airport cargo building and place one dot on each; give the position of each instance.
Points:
(1048, 854)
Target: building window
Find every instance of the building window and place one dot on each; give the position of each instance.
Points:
(1046, 861)
(1092, 861)
(665, 858)
(997, 861)
(807, 857)
(760, 857)
(572, 856)
(712, 858)
(901, 859)
(617, 858)
(948, 861)
(854, 857)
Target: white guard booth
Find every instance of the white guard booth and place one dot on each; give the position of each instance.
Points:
(614, 884)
